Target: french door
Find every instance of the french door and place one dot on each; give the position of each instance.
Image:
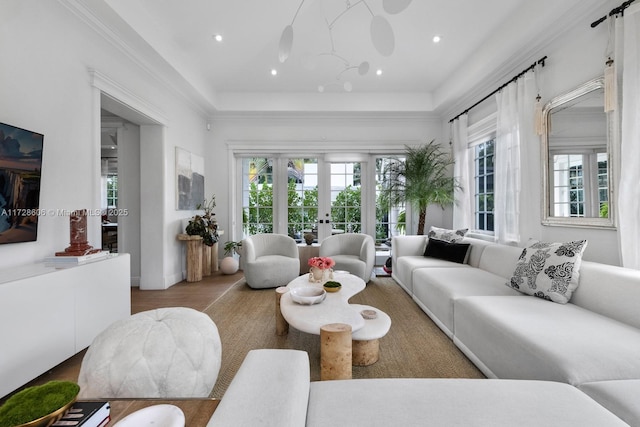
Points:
(321, 195)
(301, 195)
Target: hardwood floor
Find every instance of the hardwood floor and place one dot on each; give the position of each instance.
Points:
(196, 295)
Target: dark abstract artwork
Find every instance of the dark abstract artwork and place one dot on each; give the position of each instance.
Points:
(189, 180)
(20, 172)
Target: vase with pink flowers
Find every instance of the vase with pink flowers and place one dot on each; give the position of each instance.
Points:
(320, 269)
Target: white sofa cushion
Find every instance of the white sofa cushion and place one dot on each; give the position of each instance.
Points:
(500, 260)
(452, 402)
(531, 338)
(435, 290)
(609, 290)
(407, 265)
(620, 397)
(271, 388)
(549, 270)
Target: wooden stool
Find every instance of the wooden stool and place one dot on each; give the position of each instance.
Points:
(282, 326)
(366, 341)
(335, 352)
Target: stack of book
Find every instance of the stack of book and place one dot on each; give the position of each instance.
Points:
(86, 414)
(57, 261)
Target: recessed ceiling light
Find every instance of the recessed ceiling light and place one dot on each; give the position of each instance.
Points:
(436, 39)
(379, 72)
(274, 72)
(218, 37)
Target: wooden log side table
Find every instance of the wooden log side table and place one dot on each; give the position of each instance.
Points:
(194, 256)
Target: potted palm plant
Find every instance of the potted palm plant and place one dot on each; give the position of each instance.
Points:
(421, 179)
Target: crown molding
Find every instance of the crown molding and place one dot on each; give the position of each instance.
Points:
(327, 116)
(125, 96)
(98, 16)
(504, 71)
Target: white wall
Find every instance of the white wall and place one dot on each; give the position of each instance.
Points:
(45, 86)
(574, 58)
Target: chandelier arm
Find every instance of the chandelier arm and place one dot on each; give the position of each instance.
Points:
(297, 11)
(347, 10)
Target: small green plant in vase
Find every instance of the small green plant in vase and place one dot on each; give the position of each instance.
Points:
(229, 264)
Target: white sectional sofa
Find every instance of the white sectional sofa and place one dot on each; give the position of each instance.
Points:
(272, 388)
(592, 342)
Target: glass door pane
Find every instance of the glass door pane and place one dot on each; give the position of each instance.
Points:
(302, 198)
(257, 195)
(390, 212)
(346, 198)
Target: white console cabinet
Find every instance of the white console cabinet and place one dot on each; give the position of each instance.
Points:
(49, 314)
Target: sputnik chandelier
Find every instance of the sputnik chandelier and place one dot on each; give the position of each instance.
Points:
(382, 38)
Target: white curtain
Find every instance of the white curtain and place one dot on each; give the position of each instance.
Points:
(514, 133)
(462, 217)
(629, 193)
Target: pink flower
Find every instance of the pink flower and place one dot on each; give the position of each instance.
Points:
(322, 263)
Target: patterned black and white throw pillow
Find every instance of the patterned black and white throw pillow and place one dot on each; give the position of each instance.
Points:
(451, 236)
(549, 270)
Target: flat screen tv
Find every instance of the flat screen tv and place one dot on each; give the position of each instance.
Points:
(20, 171)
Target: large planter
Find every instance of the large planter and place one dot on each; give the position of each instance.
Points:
(229, 265)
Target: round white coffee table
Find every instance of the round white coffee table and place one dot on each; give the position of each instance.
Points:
(334, 309)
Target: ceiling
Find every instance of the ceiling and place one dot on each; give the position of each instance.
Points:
(481, 43)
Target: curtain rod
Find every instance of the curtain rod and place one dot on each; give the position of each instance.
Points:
(615, 11)
(516, 77)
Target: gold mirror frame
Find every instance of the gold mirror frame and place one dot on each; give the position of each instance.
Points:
(588, 222)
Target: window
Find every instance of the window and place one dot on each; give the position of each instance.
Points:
(302, 197)
(322, 194)
(390, 218)
(112, 191)
(257, 195)
(483, 177)
(580, 185)
(346, 198)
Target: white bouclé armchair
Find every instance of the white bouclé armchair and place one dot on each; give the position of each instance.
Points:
(353, 252)
(269, 260)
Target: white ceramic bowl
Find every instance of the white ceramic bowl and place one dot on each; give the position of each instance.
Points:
(308, 295)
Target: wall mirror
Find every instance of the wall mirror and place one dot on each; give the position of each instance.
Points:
(577, 159)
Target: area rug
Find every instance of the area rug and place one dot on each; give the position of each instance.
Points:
(414, 347)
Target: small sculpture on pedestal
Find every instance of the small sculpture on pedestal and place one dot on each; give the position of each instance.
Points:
(78, 230)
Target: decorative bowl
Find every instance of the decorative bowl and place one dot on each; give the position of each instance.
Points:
(308, 295)
(332, 286)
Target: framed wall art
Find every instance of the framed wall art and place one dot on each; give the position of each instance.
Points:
(20, 174)
(189, 180)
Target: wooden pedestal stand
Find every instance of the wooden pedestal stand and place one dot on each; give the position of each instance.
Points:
(206, 260)
(194, 256)
(335, 352)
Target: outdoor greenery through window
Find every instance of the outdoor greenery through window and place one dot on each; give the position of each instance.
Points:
(484, 185)
(308, 202)
(112, 190)
(302, 197)
(390, 218)
(580, 185)
(257, 195)
(346, 198)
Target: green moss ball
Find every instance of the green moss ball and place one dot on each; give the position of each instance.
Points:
(36, 402)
